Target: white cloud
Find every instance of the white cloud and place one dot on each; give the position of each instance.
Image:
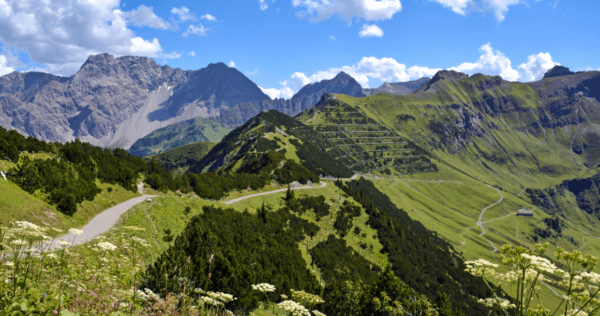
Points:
(263, 4)
(499, 7)
(283, 93)
(388, 69)
(4, 67)
(144, 16)
(495, 63)
(209, 17)
(192, 53)
(184, 14)
(490, 63)
(232, 64)
(62, 34)
(199, 30)
(370, 10)
(371, 31)
(332, 37)
(458, 6)
(535, 67)
(253, 72)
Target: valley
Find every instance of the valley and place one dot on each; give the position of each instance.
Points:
(410, 187)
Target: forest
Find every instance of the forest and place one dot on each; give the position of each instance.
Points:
(227, 251)
(418, 256)
(68, 176)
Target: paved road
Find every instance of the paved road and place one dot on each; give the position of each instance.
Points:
(480, 224)
(323, 184)
(102, 222)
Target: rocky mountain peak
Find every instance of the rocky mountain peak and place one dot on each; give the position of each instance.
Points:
(219, 65)
(558, 71)
(448, 75)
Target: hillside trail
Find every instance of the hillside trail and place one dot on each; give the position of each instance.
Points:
(102, 222)
(323, 184)
(480, 224)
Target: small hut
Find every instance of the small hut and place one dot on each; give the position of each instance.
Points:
(524, 212)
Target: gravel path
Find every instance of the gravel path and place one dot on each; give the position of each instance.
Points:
(102, 222)
(480, 224)
(323, 184)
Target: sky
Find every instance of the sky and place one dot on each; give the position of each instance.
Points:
(281, 45)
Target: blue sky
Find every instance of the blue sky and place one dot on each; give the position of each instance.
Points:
(283, 44)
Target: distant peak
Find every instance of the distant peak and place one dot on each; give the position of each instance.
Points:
(342, 75)
(217, 65)
(99, 58)
(448, 75)
(558, 71)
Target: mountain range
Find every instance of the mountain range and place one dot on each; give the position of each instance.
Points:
(113, 102)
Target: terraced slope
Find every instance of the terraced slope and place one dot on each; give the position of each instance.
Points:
(361, 143)
(269, 131)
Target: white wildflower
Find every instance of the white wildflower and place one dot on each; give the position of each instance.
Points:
(210, 301)
(27, 225)
(317, 313)
(107, 246)
(18, 242)
(75, 231)
(264, 287)
(294, 308)
(223, 297)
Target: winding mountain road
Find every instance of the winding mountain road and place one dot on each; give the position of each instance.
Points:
(102, 222)
(480, 224)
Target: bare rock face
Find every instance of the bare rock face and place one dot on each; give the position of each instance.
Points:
(304, 99)
(114, 101)
(558, 71)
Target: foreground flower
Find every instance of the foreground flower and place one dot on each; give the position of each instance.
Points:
(264, 287)
(210, 301)
(317, 313)
(106, 246)
(223, 297)
(75, 231)
(294, 308)
(27, 225)
(491, 301)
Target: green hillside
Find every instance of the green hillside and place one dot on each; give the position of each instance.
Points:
(179, 159)
(187, 132)
(361, 143)
(270, 131)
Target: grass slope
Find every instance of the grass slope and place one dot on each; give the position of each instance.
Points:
(179, 159)
(179, 134)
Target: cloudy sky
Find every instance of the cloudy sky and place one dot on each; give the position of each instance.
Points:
(283, 44)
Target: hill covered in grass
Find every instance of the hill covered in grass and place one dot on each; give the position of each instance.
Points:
(269, 133)
(179, 159)
(175, 135)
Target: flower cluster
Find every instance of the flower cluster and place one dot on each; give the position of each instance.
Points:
(306, 298)
(264, 287)
(480, 267)
(294, 308)
(222, 297)
(106, 246)
(317, 313)
(75, 232)
(490, 302)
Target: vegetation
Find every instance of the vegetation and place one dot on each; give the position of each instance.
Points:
(179, 159)
(257, 137)
(527, 268)
(179, 134)
(418, 257)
